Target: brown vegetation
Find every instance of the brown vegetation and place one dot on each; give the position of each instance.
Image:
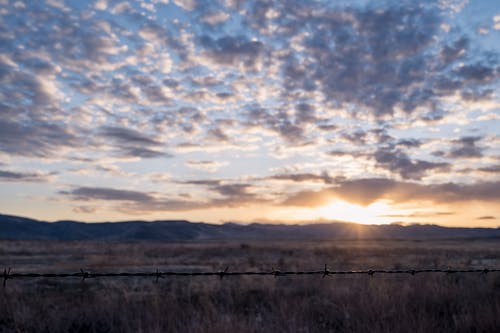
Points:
(382, 303)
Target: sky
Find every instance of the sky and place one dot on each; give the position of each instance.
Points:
(272, 111)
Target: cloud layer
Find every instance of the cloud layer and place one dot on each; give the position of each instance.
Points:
(190, 105)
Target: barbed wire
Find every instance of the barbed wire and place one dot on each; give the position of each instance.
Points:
(9, 275)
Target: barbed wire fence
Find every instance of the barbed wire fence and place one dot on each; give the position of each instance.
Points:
(8, 274)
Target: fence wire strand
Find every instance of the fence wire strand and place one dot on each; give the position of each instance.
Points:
(83, 274)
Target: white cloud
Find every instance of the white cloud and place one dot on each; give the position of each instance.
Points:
(101, 5)
(188, 5)
(496, 22)
(215, 18)
(209, 166)
(59, 4)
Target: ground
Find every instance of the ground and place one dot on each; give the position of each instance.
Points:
(437, 302)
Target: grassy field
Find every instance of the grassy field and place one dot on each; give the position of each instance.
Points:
(381, 303)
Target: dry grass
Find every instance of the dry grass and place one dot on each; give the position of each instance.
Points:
(421, 303)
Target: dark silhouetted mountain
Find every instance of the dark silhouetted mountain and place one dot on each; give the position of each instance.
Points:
(19, 228)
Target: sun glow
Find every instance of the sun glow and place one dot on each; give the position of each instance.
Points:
(375, 213)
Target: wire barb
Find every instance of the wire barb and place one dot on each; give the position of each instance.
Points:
(158, 275)
(84, 274)
(222, 273)
(6, 275)
(326, 272)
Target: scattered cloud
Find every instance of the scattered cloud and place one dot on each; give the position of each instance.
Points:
(397, 161)
(367, 191)
(486, 217)
(103, 193)
(386, 100)
(131, 143)
(209, 166)
(35, 177)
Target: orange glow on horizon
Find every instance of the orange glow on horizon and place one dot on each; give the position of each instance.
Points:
(374, 213)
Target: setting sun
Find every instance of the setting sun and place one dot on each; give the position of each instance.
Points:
(375, 213)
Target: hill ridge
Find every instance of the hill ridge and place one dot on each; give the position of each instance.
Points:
(20, 228)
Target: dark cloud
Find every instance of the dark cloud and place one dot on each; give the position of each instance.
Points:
(478, 72)
(305, 177)
(233, 50)
(85, 209)
(275, 120)
(491, 168)
(420, 215)
(233, 195)
(305, 113)
(36, 139)
(466, 147)
(399, 162)
(357, 137)
(142, 152)
(458, 49)
(379, 58)
(340, 153)
(13, 176)
(486, 217)
(327, 127)
(135, 201)
(366, 191)
(103, 193)
(206, 182)
(409, 143)
(132, 143)
(218, 134)
(127, 136)
(233, 190)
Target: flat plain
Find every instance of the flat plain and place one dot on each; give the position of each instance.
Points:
(426, 302)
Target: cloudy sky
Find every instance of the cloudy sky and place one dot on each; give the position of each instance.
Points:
(231, 110)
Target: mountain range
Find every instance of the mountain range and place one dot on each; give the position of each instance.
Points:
(20, 228)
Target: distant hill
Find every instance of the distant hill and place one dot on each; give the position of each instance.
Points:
(19, 228)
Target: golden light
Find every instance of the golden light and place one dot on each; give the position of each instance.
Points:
(375, 213)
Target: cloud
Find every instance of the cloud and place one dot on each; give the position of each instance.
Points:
(85, 209)
(233, 50)
(379, 60)
(491, 168)
(395, 160)
(486, 217)
(36, 139)
(126, 135)
(276, 121)
(229, 195)
(360, 90)
(367, 191)
(214, 18)
(305, 177)
(101, 4)
(419, 215)
(465, 147)
(131, 143)
(232, 190)
(496, 22)
(210, 166)
(35, 177)
(188, 5)
(103, 193)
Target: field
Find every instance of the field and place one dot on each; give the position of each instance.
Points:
(437, 302)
